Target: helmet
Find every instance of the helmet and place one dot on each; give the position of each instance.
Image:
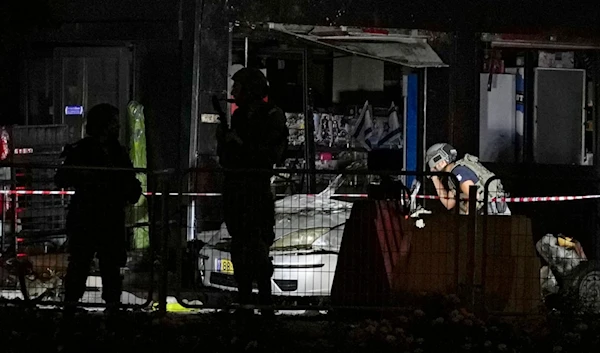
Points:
(100, 118)
(440, 152)
(253, 82)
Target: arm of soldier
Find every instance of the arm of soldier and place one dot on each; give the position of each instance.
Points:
(66, 178)
(447, 198)
(466, 177)
(464, 188)
(268, 146)
(133, 185)
(227, 143)
(279, 142)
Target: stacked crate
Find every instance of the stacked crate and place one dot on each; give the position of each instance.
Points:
(39, 215)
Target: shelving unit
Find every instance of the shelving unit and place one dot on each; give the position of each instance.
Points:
(334, 146)
(37, 216)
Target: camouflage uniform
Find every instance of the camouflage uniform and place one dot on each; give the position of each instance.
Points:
(248, 202)
(96, 217)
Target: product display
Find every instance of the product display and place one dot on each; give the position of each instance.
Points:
(336, 145)
(380, 127)
(295, 124)
(331, 130)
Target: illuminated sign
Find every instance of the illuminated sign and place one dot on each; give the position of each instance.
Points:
(73, 110)
(23, 150)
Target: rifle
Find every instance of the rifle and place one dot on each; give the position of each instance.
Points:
(217, 107)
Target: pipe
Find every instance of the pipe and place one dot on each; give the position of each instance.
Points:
(194, 108)
(424, 144)
(308, 123)
(246, 48)
(195, 104)
(543, 45)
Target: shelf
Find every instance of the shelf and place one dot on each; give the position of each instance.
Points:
(333, 149)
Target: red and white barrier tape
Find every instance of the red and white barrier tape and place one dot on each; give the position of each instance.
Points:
(547, 198)
(505, 199)
(35, 192)
(214, 194)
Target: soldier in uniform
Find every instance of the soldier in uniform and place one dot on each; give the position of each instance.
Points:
(441, 157)
(256, 140)
(96, 216)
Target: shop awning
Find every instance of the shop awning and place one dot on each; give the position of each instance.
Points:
(403, 50)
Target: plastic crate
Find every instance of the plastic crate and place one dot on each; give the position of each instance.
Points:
(31, 136)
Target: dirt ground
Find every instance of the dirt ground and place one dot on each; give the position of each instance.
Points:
(44, 331)
(440, 325)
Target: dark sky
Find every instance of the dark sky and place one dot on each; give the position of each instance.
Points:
(479, 15)
(482, 15)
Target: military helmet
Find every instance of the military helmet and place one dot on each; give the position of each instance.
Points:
(100, 117)
(440, 152)
(253, 82)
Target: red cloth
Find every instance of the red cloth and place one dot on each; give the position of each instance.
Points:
(234, 106)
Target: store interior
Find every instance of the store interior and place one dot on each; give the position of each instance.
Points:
(337, 87)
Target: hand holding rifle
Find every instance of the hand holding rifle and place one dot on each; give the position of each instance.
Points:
(223, 130)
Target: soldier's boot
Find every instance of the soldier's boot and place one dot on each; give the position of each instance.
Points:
(265, 298)
(244, 298)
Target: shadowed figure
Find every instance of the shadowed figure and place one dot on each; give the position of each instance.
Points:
(96, 217)
(257, 139)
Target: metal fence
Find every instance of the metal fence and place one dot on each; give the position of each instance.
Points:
(351, 244)
(34, 242)
(365, 240)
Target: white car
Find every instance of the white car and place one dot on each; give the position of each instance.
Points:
(308, 235)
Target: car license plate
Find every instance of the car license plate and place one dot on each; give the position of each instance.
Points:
(224, 266)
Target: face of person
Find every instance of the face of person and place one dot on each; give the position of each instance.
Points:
(238, 93)
(440, 166)
(113, 128)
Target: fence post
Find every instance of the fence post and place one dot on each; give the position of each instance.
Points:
(471, 240)
(484, 245)
(14, 223)
(458, 268)
(164, 248)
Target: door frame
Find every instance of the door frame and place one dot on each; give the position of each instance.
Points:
(121, 53)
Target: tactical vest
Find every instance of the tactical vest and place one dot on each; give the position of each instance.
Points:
(483, 175)
(278, 154)
(248, 128)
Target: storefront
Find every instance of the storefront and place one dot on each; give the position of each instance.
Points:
(345, 90)
(532, 87)
(538, 126)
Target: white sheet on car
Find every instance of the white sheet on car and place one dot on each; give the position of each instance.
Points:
(303, 211)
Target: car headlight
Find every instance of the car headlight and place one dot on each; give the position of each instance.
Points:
(299, 240)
